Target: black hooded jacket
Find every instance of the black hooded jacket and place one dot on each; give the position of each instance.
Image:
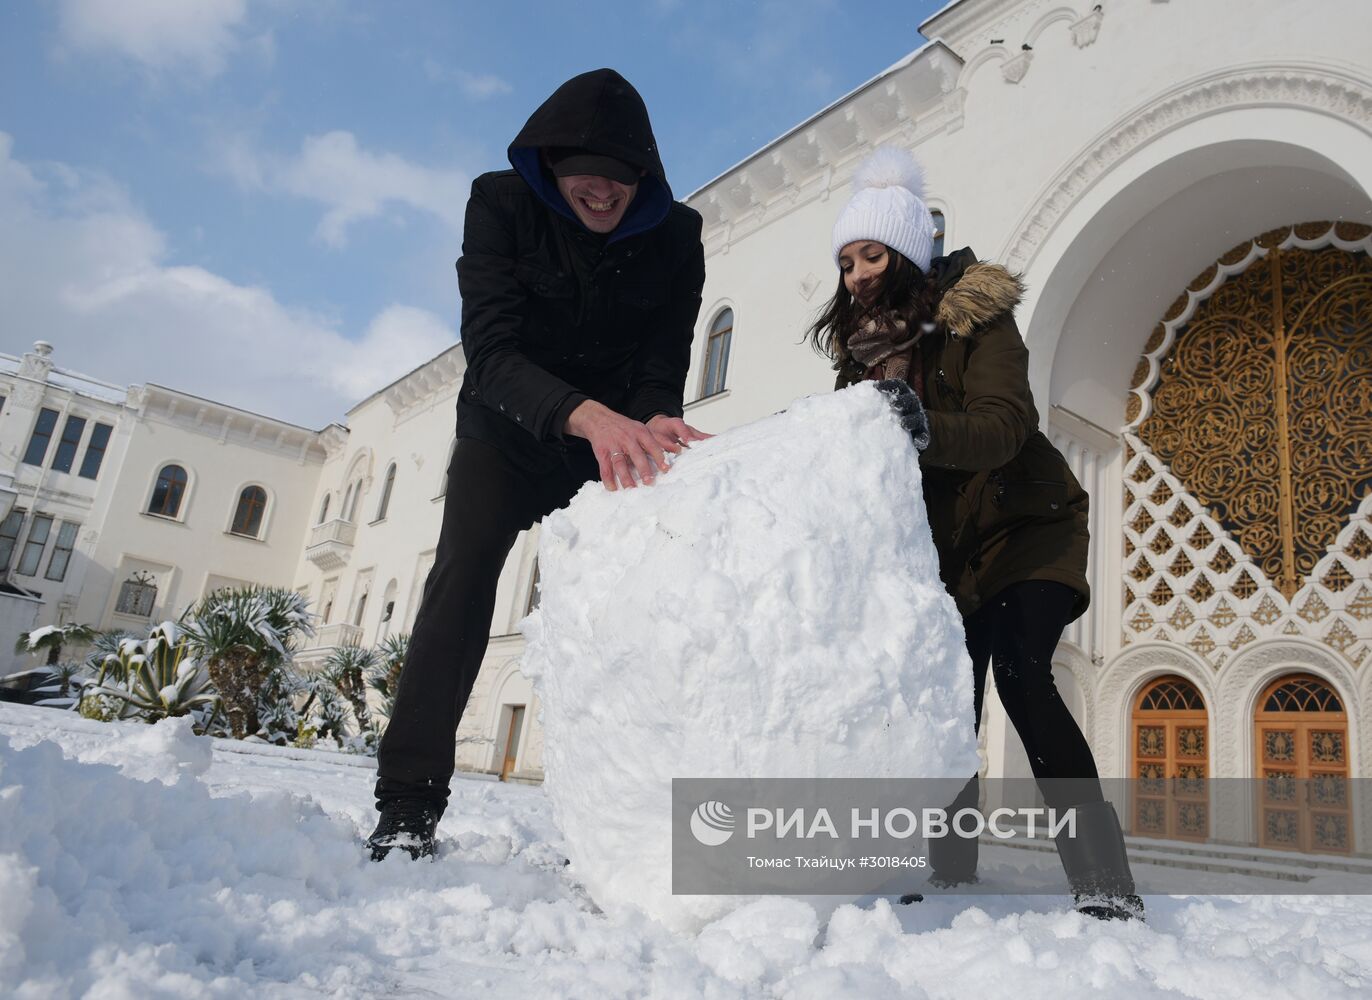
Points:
(553, 314)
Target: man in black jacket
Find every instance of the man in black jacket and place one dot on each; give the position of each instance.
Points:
(581, 281)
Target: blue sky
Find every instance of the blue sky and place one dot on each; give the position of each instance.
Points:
(260, 201)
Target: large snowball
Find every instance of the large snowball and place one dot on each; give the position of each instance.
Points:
(770, 609)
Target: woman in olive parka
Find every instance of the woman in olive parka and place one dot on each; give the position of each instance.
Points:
(1007, 516)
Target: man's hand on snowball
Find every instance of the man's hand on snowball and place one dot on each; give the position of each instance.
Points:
(624, 446)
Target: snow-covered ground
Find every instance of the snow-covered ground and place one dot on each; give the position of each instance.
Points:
(146, 862)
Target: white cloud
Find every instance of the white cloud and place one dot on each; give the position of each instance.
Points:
(352, 183)
(158, 34)
(84, 269)
(475, 86)
(479, 86)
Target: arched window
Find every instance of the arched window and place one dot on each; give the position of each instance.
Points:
(247, 519)
(167, 494)
(347, 502)
(387, 609)
(939, 228)
(443, 486)
(717, 353)
(389, 485)
(356, 499)
(531, 602)
(324, 509)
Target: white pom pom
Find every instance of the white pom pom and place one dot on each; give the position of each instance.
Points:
(890, 167)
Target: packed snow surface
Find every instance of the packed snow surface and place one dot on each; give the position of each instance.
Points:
(771, 608)
(248, 879)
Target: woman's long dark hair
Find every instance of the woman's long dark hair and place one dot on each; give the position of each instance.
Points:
(904, 291)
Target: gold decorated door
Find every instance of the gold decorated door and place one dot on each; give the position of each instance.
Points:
(1171, 762)
(1302, 747)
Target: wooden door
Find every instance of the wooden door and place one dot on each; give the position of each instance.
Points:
(1171, 737)
(1301, 730)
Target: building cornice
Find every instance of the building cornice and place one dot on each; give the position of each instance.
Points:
(228, 424)
(429, 382)
(969, 26)
(913, 99)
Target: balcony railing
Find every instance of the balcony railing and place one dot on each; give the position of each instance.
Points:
(331, 544)
(325, 640)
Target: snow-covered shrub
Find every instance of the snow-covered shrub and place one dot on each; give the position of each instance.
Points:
(347, 668)
(384, 676)
(243, 635)
(157, 678)
(50, 639)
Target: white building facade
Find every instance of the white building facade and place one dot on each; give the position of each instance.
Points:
(1186, 189)
(1160, 174)
(1157, 172)
(129, 503)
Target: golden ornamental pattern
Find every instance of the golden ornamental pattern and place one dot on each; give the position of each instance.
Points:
(1218, 555)
(1263, 405)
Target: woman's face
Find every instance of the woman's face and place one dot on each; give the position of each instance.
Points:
(862, 264)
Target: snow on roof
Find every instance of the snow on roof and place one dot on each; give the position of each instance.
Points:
(894, 67)
(178, 394)
(74, 381)
(939, 13)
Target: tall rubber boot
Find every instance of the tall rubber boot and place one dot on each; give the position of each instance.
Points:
(1097, 866)
(953, 857)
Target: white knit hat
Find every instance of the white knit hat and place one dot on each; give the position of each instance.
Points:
(888, 206)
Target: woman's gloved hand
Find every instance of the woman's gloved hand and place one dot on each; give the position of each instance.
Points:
(905, 401)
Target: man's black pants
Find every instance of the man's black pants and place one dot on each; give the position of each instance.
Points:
(489, 501)
(1015, 633)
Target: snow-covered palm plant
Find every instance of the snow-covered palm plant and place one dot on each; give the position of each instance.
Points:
(103, 656)
(60, 681)
(157, 677)
(346, 668)
(241, 635)
(384, 677)
(51, 639)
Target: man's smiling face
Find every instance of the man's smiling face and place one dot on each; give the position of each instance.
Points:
(598, 202)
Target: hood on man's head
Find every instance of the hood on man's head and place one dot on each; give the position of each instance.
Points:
(599, 112)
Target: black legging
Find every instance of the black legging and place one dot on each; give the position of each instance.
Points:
(1016, 632)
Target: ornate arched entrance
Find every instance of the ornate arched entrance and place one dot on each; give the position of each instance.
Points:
(1248, 451)
(1301, 733)
(1171, 750)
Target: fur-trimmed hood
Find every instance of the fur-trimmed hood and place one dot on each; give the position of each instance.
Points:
(980, 294)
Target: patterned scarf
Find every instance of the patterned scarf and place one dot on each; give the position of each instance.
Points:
(882, 346)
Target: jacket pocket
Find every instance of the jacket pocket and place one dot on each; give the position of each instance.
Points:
(1007, 503)
(544, 282)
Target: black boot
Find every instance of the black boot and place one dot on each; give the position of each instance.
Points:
(1097, 866)
(407, 824)
(953, 857)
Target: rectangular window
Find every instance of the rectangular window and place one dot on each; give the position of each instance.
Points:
(95, 451)
(42, 435)
(66, 447)
(61, 552)
(33, 547)
(9, 537)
